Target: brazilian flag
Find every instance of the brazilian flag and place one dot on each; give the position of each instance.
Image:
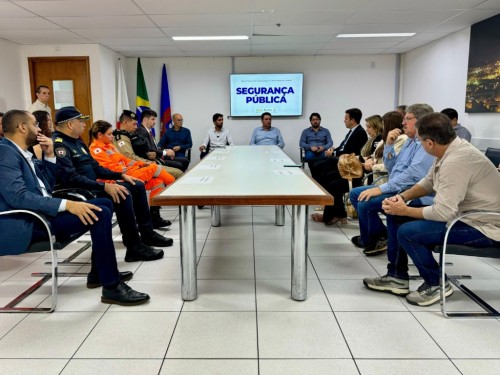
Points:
(141, 99)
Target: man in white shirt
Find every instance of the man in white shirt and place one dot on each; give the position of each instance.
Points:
(42, 102)
(217, 136)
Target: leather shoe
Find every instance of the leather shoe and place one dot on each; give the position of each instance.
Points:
(93, 280)
(142, 252)
(356, 240)
(161, 223)
(123, 295)
(154, 239)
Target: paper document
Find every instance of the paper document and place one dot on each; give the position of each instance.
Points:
(208, 166)
(287, 172)
(196, 180)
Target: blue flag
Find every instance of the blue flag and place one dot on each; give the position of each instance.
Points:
(165, 110)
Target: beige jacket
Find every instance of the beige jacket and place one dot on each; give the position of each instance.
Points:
(464, 180)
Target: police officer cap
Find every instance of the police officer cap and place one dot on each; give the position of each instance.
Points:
(130, 114)
(69, 113)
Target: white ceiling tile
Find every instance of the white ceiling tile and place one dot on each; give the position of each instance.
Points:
(391, 17)
(288, 47)
(27, 23)
(144, 48)
(489, 4)
(54, 8)
(302, 18)
(119, 33)
(308, 6)
(291, 39)
(102, 22)
(470, 17)
(207, 31)
(8, 10)
(133, 41)
(386, 28)
(418, 6)
(189, 7)
(207, 47)
(197, 20)
(296, 30)
(153, 54)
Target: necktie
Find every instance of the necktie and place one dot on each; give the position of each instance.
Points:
(341, 147)
(152, 138)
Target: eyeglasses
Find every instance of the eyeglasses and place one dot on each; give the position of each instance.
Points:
(406, 119)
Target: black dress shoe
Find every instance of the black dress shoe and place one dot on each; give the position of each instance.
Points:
(142, 252)
(123, 295)
(154, 239)
(356, 240)
(161, 223)
(93, 281)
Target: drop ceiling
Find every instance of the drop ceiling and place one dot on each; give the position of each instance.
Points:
(275, 27)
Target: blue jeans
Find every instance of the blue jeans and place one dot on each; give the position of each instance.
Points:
(370, 225)
(310, 155)
(417, 238)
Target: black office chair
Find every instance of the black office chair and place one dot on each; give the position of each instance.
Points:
(494, 155)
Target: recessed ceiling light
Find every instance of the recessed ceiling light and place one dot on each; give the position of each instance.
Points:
(227, 37)
(380, 35)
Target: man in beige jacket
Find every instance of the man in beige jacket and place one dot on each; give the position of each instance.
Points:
(463, 179)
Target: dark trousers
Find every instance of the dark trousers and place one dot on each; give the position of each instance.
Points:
(133, 213)
(337, 187)
(321, 168)
(177, 162)
(65, 224)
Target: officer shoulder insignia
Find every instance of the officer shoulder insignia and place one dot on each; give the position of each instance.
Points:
(121, 143)
(97, 151)
(58, 139)
(60, 152)
(83, 150)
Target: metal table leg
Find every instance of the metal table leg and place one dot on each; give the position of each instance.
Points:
(187, 224)
(279, 212)
(215, 216)
(299, 252)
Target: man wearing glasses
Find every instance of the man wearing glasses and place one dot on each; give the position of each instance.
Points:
(405, 170)
(474, 187)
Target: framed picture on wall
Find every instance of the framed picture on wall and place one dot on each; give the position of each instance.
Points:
(483, 75)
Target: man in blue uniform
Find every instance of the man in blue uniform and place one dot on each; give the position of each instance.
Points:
(79, 169)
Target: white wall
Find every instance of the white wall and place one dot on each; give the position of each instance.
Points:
(11, 88)
(199, 87)
(437, 74)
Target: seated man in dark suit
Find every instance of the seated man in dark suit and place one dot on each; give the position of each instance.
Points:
(79, 169)
(354, 141)
(27, 184)
(152, 151)
(177, 138)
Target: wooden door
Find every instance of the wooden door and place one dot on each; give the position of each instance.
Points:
(49, 71)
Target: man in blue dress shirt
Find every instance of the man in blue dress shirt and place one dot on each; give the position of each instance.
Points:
(177, 138)
(405, 170)
(315, 139)
(267, 135)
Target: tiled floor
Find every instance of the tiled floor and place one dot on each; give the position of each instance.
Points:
(244, 321)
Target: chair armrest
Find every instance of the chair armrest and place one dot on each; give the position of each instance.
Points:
(42, 219)
(74, 194)
(302, 153)
(188, 154)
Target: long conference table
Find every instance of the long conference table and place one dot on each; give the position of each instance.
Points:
(244, 176)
